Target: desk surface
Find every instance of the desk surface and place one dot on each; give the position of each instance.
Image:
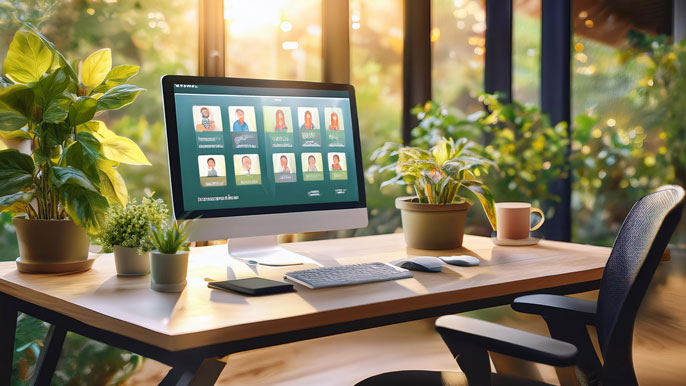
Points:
(200, 316)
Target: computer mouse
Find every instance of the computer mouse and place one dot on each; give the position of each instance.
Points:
(461, 260)
(423, 264)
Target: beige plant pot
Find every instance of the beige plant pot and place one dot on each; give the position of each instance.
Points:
(431, 226)
(168, 271)
(50, 241)
(129, 262)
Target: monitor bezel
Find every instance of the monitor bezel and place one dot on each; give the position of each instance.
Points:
(174, 162)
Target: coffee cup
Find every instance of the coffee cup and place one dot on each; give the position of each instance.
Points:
(514, 219)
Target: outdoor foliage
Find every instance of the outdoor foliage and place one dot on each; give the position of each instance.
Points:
(662, 94)
(438, 174)
(83, 362)
(627, 146)
(72, 171)
(129, 226)
(529, 152)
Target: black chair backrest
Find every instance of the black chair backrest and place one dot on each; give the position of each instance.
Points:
(635, 255)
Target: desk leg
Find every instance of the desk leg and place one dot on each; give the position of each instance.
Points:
(49, 355)
(8, 327)
(204, 373)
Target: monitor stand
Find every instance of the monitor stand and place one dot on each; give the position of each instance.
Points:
(265, 250)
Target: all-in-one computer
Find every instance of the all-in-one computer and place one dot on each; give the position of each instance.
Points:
(251, 159)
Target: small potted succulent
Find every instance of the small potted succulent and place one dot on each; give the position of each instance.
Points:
(434, 218)
(127, 233)
(169, 262)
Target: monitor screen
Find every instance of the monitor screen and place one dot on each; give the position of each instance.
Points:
(245, 147)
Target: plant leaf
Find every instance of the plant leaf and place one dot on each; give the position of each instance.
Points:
(19, 98)
(64, 176)
(16, 171)
(82, 110)
(86, 207)
(16, 202)
(61, 59)
(118, 97)
(487, 202)
(50, 87)
(10, 119)
(83, 154)
(95, 67)
(118, 148)
(57, 110)
(112, 185)
(28, 58)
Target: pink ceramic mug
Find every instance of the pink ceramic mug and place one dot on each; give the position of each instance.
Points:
(513, 220)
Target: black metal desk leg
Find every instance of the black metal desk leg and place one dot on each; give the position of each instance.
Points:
(8, 327)
(49, 355)
(204, 373)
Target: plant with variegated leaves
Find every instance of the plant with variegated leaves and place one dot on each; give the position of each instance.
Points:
(439, 175)
(72, 169)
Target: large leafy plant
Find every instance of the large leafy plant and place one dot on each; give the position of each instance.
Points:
(439, 174)
(72, 170)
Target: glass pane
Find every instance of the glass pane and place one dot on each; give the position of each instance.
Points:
(625, 143)
(458, 43)
(526, 51)
(376, 45)
(278, 39)
(161, 37)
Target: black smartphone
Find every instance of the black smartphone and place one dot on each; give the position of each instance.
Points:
(254, 286)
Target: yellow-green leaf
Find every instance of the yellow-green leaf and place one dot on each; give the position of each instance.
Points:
(95, 67)
(112, 185)
(115, 147)
(28, 58)
(124, 150)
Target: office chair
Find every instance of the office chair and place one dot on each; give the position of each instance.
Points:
(635, 255)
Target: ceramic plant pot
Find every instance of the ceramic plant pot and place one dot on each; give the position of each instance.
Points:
(431, 226)
(51, 241)
(130, 263)
(168, 271)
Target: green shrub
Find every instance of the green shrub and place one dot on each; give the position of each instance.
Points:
(129, 226)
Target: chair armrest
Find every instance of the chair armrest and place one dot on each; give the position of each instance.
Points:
(505, 340)
(557, 307)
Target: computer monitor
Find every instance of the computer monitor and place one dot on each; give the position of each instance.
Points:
(250, 159)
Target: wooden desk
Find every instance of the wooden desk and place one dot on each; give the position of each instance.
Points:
(190, 331)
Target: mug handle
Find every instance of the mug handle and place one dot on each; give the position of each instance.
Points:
(540, 213)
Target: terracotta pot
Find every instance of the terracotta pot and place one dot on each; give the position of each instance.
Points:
(432, 226)
(168, 271)
(129, 262)
(50, 241)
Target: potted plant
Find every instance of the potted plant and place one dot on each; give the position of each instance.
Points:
(169, 262)
(127, 233)
(434, 218)
(59, 192)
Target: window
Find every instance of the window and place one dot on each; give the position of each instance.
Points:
(526, 51)
(376, 46)
(274, 39)
(617, 141)
(458, 43)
